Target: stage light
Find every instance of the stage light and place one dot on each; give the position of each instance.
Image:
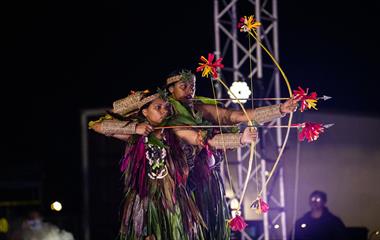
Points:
(276, 226)
(377, 233)
(56, 206)
(239, 90)
(303, 225)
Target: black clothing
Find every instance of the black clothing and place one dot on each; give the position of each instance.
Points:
(328, 226)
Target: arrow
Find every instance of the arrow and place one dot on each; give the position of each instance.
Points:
(324, 97)
(328, 125)
(231, 126)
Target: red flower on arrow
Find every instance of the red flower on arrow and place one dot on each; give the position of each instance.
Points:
(307, 101)
(309, 131)
(208, 66)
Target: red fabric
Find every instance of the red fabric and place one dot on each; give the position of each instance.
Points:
(126, 159)
(135, 159)
(208, 150)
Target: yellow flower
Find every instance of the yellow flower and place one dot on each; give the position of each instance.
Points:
(209, 67)
(248, 23)
(207, 70)
(311, 103)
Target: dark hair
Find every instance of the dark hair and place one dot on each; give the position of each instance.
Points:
(140, 115)
(186, 73)
(171, 74)
(321, 194)
(168, 86)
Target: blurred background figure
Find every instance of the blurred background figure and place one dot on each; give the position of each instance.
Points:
(319, 223)
(374, 235)
(34, 228)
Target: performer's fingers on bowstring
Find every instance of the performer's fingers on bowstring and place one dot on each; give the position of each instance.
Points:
(149, 128)
(295, 100)
(254, 136)
(294, 103)
(147, 132)
(252, 129)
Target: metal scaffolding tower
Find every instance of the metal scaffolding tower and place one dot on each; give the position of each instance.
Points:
(244, 63)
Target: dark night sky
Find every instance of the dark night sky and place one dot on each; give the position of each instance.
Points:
(61, 57)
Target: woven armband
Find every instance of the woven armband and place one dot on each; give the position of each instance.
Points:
(115, 127)
(227, 140)
(267, 114)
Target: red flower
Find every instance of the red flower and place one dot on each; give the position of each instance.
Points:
(208, 67)
(310, 131)
(260, 206)
(309, 101)
(237, 223)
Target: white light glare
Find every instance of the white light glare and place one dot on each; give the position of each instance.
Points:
(303, 225)
(234, 204)
(240, 90)
(56, 206)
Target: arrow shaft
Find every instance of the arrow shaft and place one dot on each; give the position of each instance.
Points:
(254, 99)
(216, 126)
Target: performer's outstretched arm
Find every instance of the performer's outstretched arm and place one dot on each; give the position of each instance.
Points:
(219, 141)
(259, 115)
(234, 140)
(114, 128)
